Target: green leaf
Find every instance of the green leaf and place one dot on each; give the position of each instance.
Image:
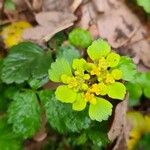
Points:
(128, 68)
(8, 140)
(1, 65)
(80, 38)
(7, 94)
(60, 67)
(25, 60)
(143, 79)
(56, 41)
(79, 64)
(145, 4)
(10, 91)
(65, 94)
(37, 83)
(113, 59)
(116, 90)
(135, 92)
(79, 103)
(9, 5)
(98, 134)
(61, 116)
(144, 142)
(101, 110)
(24, 114)
(98, 49)
(80, 139)
(147, 92)
(68, 52)
(4, 102)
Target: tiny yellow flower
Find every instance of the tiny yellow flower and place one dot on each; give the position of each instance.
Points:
(89, 97)
(103, 63)
(102, 88)
(109, 79)
(95, 89)
(95, 70)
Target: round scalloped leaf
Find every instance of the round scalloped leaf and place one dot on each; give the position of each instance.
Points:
(135, 92)
(101, 110)
(65, 94)
(8, 140)
(24, 114)
(98, 49)
(143, 78)
(147, 92)
(80, 38)
(128, 68)
(79, 104)
(25, 60)
(79, 64)
(68, 52)
(58, 68)
(113, 59)
(116, 90)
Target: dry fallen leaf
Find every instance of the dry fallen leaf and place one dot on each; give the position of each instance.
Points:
(88, 15)
(49, 24)
(56, 5)
(53, 18)
(101, 5)
(119, 121)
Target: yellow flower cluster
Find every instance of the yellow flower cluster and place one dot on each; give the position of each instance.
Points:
(92, 79)
(12, 34)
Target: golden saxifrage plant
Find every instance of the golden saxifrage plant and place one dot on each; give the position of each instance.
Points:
(94, 82)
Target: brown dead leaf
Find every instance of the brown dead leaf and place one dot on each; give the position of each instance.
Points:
(119, 121)
(1, 5)
(94, 31)
(53, 18)
(49, 24)
(19, 3)
(141, 46)
(56, 5)
(101, 5)
(88, 15)
(117, 25)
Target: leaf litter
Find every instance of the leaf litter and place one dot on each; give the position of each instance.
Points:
(109, 19)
